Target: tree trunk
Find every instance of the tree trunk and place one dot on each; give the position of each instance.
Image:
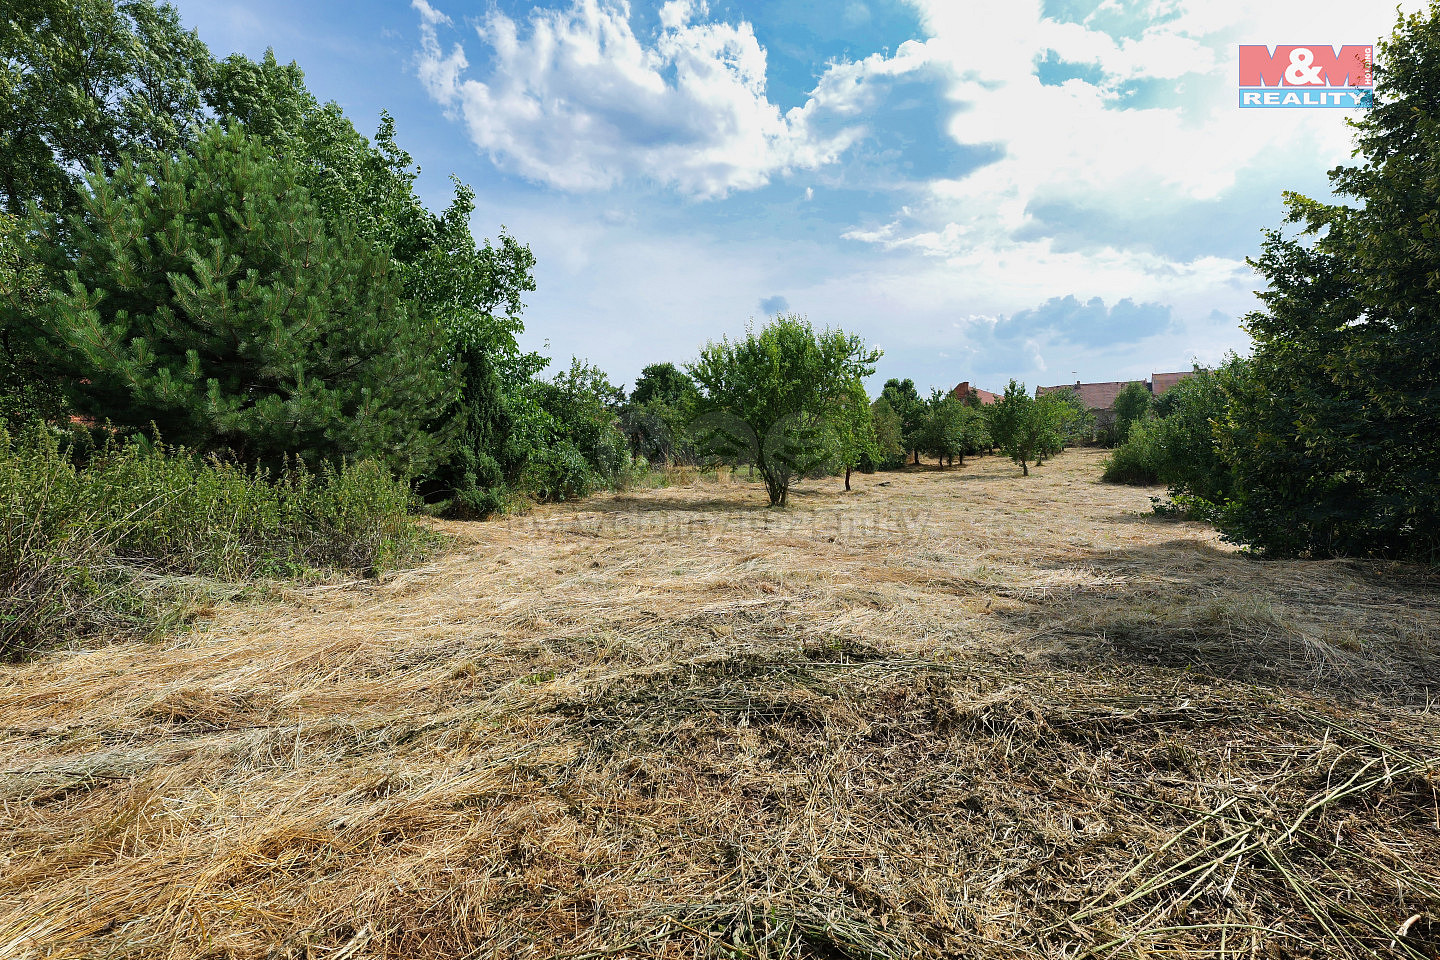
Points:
(917, 458)
(1024, 469)
(847, 478)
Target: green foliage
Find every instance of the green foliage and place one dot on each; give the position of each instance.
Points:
(91, 80)
(905, 400)
(889, 434)
(1334, 437)
(206, 296)
(1177, 445)
(586, 449)
(1062, 420)
(1019, 426)
(951, 428)
(657, 416)
(769, 395)
(1133, 404)
(1137, 460)
(1184, 430)
(100, 548)
(855, 443)
(28, 390)
(666, 383)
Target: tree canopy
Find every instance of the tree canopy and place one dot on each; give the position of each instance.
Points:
(769, 395)
(207, 296)
(1335, 434)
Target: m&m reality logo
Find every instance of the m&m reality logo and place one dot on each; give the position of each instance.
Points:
(1312, 75)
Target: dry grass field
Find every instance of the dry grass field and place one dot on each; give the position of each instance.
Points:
(951, 713)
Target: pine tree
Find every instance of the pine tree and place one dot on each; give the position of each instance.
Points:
(206, 295)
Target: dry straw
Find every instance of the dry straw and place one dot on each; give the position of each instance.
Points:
(959, 714)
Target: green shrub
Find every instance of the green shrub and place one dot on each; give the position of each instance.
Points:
(112, 547)
(1137, 460)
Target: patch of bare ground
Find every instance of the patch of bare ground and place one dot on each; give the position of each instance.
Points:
(951, 713)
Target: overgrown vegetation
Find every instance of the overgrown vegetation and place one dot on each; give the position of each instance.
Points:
(118, 544)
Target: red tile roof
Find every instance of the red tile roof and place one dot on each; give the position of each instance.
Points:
(1095, 396)
(963, 390)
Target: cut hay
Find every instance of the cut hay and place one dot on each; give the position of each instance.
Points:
(963, 714)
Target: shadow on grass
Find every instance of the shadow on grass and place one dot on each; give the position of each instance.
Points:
(1346, 629)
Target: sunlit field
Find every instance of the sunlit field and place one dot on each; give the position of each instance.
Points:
(950, 712)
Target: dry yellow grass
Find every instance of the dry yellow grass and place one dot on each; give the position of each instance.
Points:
(949, 714)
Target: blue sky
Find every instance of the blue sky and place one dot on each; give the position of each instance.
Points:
(1041, 190)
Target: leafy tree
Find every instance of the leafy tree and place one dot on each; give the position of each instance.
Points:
(206, 296)
(769, 394)
(657, 416)
(855, 441)
(1131, 405)
(585, 448)
(949, 428)
(1188, 456)
(28, 390)
(1334, 437)
(474, 291)
(1065, 420)
(889, 436)
(87, 79)
(1018, 425)
(905, 400)
(666, 383)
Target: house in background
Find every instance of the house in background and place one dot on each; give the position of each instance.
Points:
(1160, 382)
(1099, 398)
(963, 391)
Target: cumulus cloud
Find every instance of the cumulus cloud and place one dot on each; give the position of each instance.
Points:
(573, 98)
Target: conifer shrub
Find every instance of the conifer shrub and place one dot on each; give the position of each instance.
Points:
(116, 545)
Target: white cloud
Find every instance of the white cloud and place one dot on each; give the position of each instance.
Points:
(1076, 143)
(574, 99)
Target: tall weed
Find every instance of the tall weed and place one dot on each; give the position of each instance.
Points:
(110, 548)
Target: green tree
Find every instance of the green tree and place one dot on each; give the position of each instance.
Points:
(1188, 457)
(889, 435)
(1017, 425)
(1065, 420)
(472, 290)
(585, 448)
(206, 295)
(855, 441)
(949, 428)
(905, 400)
(1334, 437)
(1131, 405)
(768, 395)
(657, 416)
(28, 389)
(666, 383)
(91, 80)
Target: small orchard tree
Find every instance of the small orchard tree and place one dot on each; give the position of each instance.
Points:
(1132, 404)
(1065, 420)
(1017, 425)
(889, 434)
(207, 296)
(768, 395)
(905, 400)
(855, 440)
(947, 432)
